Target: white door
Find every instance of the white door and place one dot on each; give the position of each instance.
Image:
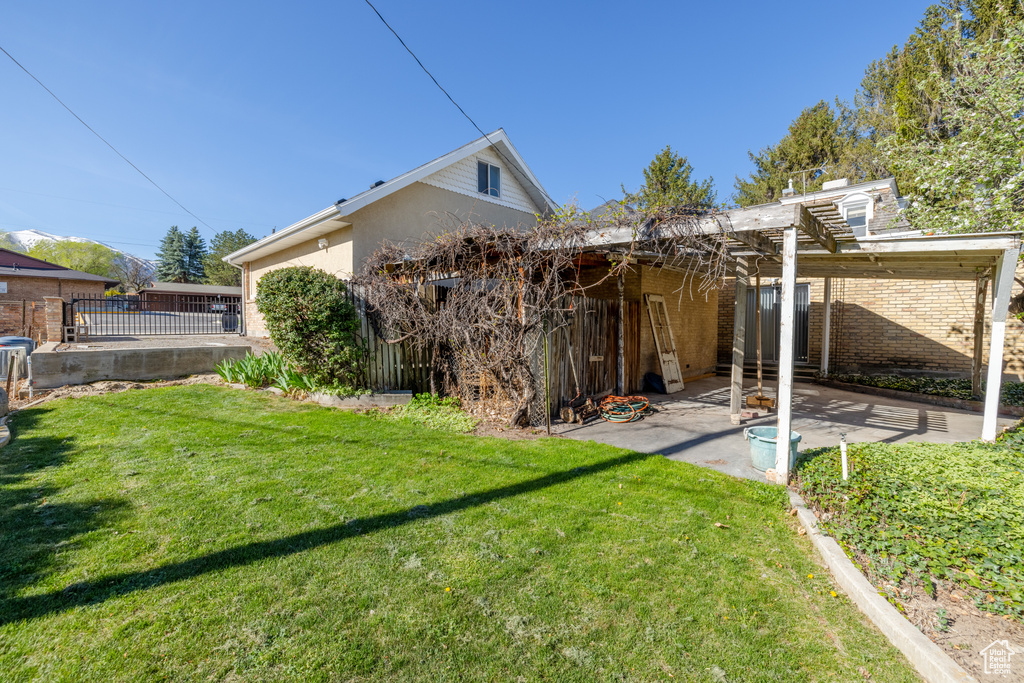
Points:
(664, 342)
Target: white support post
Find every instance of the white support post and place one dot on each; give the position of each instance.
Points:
(1001, 284)
(739, 325)
(826, 328)
(787, 337)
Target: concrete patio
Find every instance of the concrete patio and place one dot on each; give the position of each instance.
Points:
(693, 425)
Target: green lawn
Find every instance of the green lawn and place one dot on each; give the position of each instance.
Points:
(198, 533)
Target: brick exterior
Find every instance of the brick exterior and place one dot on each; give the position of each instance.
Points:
(691, 317)
(54, 318)
(23, 308)
(879, 326)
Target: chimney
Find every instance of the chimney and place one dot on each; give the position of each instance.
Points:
(789, 191)
(836, 184)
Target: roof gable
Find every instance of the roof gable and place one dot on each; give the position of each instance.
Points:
(334, 217)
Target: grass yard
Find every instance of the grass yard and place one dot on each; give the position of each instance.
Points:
(204, 533)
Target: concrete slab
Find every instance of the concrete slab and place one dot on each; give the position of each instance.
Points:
(693, 425)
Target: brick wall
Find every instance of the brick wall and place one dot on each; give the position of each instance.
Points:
(892, 326)
(23, 319)
(37, 288)
(692, 318)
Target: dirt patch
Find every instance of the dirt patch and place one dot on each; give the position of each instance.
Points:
(107, 387)
(952, 620)
(503, 431)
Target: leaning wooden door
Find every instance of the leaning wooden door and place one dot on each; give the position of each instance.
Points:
(664, 343)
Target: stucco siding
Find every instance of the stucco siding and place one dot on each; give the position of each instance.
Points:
(409, 214)
(461, 177)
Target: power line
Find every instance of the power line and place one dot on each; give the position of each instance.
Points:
(152, 182)
(450, 98)
(122, 206)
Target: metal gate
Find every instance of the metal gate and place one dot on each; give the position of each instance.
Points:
(770, 324)
(120, 316)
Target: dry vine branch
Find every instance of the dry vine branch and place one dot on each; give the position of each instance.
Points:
(503, 289)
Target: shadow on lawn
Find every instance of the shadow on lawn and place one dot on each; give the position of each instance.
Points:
(90, 592)
(33, 530)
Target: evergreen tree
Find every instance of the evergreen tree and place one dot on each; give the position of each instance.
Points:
(223, 243)
(667, 183)
(171, 261)
(195, 256)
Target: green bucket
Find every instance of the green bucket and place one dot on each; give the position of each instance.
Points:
(762, 446)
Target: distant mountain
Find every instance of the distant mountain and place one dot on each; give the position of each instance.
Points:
(26, 239)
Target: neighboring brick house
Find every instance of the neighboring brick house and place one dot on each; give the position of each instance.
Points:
(877, 325)
(485, 181)
(26, 281)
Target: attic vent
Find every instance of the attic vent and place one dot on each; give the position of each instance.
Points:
(377, 184)
(341, 201)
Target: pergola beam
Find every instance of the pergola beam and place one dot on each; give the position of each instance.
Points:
(809, 224)
(756, 241)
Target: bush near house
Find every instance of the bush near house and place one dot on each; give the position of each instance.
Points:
(1012, 393)
(916, 514)
(311, 320)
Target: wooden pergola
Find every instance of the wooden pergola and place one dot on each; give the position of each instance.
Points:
(811, 239)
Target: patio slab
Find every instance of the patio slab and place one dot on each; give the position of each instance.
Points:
(693, 425)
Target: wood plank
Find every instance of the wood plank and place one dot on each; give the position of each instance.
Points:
(1001, 285)
(787, 338)
(811, 226)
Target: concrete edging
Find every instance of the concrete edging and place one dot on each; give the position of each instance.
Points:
(928, 658)
(5, 432)
(388, 400)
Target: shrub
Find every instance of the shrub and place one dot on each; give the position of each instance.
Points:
(252, 371)
(1012, 393)
(312, 322)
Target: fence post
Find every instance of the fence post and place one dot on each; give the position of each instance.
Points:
(54, 318)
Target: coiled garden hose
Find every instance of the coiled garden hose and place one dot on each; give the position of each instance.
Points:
(623, 408)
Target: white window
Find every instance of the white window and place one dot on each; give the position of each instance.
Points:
(488, 179)
(857, 210)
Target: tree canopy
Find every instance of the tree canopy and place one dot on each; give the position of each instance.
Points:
(966, 165)
(668, 183)
(223, 243)
(87, 257)
(181, 257)
(898, 96)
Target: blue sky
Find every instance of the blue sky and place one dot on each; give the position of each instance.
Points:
(255, 115)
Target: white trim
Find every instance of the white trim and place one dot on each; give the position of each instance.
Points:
(498, 139)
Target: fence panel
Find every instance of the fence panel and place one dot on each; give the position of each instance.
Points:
(120, 316)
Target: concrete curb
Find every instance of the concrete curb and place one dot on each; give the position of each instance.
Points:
(931, 662)
(5, 432)
(388, 400)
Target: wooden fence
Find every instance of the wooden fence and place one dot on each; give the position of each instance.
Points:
(582, 355)
(390, 367)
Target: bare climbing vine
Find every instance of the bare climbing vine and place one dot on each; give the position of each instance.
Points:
(480, 297)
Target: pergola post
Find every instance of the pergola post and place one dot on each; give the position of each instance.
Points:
(739, 325)
(620, 363)
(1001, 285)
(826, 329)
(978, 357)
(787, 336)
